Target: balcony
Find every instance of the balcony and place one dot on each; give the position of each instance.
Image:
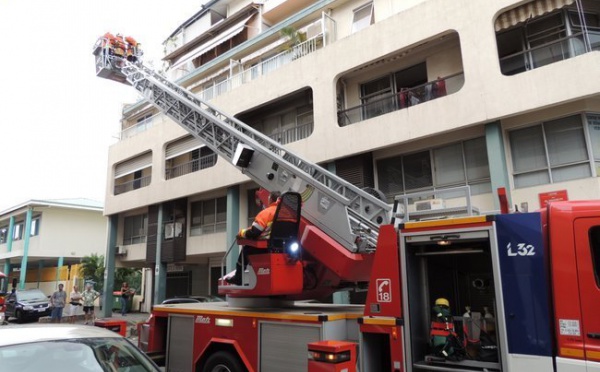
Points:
(135, 184)
(142, 126)
(195, 165)
(406, 98)
(293, 134)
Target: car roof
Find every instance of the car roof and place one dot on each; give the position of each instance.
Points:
(27, 333)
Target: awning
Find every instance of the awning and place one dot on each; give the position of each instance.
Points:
(529, 10)
(182, 146)
(134, 164)
(212, 43)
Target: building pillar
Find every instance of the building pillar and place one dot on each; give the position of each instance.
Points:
(7, 273)
(59, 265)
(9, 238)
(27, 232)
(39, 274)
(109, 267)
(497, 161)
(233, 224)
(160, 269)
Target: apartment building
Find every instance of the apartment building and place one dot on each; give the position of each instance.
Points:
(403, 96)
(41, 241)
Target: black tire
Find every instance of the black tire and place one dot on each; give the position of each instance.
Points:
(20, 316)
(223, 361)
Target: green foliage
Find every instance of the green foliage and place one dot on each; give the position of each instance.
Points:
(92, 269)
(295, 37)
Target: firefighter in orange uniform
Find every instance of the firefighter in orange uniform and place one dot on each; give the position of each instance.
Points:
(132, 49)
(260, 230)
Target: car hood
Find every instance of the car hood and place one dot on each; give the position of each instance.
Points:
(33, 302)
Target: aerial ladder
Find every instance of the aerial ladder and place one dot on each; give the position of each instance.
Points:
(340, 222)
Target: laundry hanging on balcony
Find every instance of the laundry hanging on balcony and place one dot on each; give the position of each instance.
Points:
(527, 11)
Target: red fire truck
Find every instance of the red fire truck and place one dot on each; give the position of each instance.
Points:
(521, 288)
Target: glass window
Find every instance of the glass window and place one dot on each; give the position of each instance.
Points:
(3, 234)
(594, 129)
(417, 171)
(449, 167)
(18, 231)
(595, 247)
(363, 17)
(35, 226)
(135, 229)
(209, 216)
(560, 142)
(463, 163)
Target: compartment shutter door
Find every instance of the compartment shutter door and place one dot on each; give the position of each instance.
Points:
(280, 351)
(133, 165)
(181, 146)
(180, 343)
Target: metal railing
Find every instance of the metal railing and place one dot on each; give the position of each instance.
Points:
(400, 100)
(132, 185)
(142, 126)
(262, 68)
(293, 134)
(195, 165)
(558, 50)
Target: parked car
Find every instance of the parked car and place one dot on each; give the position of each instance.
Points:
(26, 304)
(60, 347)
(192, 299)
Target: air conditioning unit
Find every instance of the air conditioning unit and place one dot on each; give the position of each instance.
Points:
(120, 250)
(431, 204)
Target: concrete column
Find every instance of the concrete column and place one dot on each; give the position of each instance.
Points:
(27, 232)
(109, 267)
(39, 275)
(9, 238)
(160, 269)
(233, 224)
(497, 161)
(7, 272)
(59, 265)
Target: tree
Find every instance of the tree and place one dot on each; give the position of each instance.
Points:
(92, 269)
(133, 277)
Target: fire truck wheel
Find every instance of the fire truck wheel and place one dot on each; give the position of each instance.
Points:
(223, 361)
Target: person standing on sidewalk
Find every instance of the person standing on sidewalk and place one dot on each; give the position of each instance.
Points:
(125, 293)
(89, 296)
(58, 301)
(75, 303)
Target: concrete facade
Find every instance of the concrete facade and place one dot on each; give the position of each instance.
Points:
(455, 42)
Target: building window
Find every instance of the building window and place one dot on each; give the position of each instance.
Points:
(18, 231)
(595, 247)
(3, 234)
(550, 152)
(594, 129)
(209, 216)
(35, 226)
(453, 165)
(363, 17)
(135, 229)
(548, 39)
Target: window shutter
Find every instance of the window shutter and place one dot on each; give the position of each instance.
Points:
(181, 146)
(134, 164)
(526, 11)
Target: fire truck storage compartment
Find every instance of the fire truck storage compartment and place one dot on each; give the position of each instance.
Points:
(284, 345)
(457, 266)
(180, 343)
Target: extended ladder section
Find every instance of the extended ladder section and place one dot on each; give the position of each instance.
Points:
(343, 211)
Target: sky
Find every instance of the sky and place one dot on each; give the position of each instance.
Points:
(57, 118)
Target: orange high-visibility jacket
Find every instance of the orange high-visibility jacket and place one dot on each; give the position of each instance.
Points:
(262, 222)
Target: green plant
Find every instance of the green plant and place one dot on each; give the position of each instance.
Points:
(133, 277)
(92, 270)
(294, 36)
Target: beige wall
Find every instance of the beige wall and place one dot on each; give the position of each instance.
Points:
(486, 96)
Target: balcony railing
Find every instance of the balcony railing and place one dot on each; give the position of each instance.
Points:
(142, 126)
(400, 100)
(558, 50)
(293, 134)
(132, 185)
(195, 165)
(262, 68)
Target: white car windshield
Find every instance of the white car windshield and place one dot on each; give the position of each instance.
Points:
(91, 354)
(31, 296)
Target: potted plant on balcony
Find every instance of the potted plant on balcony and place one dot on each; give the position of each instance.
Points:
(294, 38)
